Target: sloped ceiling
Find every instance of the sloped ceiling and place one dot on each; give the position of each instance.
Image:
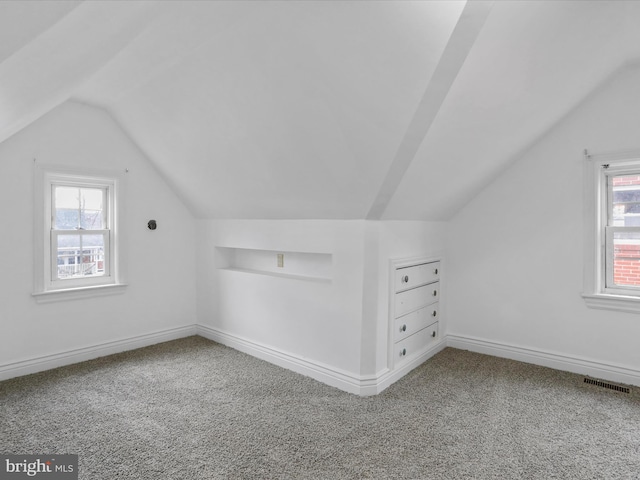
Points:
(352, 109)
(533, 62)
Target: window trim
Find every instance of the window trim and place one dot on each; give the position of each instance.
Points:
(596, 294)
(46, 287)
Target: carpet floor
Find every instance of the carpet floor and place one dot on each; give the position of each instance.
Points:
(194, 409)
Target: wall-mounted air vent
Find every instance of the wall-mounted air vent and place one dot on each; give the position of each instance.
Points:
(610, 386)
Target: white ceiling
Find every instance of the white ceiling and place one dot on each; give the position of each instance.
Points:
(20, 22)
(533, 62)
(301, 109)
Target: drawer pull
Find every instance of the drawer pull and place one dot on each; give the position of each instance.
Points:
(405, 279)
(403, 328)
(403, 352)
(433, 334)
(435, 312)
(435, 293)
(435, 272)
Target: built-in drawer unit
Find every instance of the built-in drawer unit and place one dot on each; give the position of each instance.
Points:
(415, 343)
(413, 276)
(415, 321)
(415, 298)
(415, 313)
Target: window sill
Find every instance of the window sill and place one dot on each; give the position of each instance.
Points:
(621, 303)
(79, 293)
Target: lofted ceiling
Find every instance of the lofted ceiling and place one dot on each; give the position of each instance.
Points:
(317, 109)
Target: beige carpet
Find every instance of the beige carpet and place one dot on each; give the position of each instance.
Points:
(193, 409)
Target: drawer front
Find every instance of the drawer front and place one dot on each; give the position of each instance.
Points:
(414, 276)
(413, 322)
(416, 343)
(416, 298)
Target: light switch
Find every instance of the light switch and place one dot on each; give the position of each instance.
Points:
(281, 260)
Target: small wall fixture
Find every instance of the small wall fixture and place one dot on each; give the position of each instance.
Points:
(152, 225)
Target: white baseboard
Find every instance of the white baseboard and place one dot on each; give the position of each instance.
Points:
(326, 374)
(346, 381)
(581, 366)
(392, 376)
(47, 362)
(357, 384)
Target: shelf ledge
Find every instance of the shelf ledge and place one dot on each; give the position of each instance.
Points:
(306, 278)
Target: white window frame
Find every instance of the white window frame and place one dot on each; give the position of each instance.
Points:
(599, 290)
(47, 287)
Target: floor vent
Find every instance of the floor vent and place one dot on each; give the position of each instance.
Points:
(610, 386)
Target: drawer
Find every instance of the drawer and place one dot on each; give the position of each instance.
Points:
(413, 322)
(416, 275)
(416, 298)
(416, 343)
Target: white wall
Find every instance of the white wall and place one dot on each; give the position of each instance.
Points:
(341, 324)
(161, 264)
(515, 253)
(318, 320)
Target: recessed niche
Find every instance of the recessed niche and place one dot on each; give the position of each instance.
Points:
(278, 263)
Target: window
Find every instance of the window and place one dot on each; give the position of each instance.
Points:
(76, 233)
(80, 231)
(612, 273)
(622, 231)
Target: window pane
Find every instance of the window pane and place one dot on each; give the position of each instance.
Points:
(80, 255)
(79, 208)
(626, 258)
(626, 201)
(91, 217)
(67, 214)
(93, 253)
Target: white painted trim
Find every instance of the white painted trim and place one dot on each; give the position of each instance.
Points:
(79, 293)
(44, 177)
(621, 303)
(334, 377)
(392, 376)
(357, 384)
(581, 366)
(598, 244)
(47, 362)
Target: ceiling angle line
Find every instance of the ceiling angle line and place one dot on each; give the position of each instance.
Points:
(462, 39)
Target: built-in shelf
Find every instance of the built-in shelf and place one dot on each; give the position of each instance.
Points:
(307, 266)
(280, 275)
